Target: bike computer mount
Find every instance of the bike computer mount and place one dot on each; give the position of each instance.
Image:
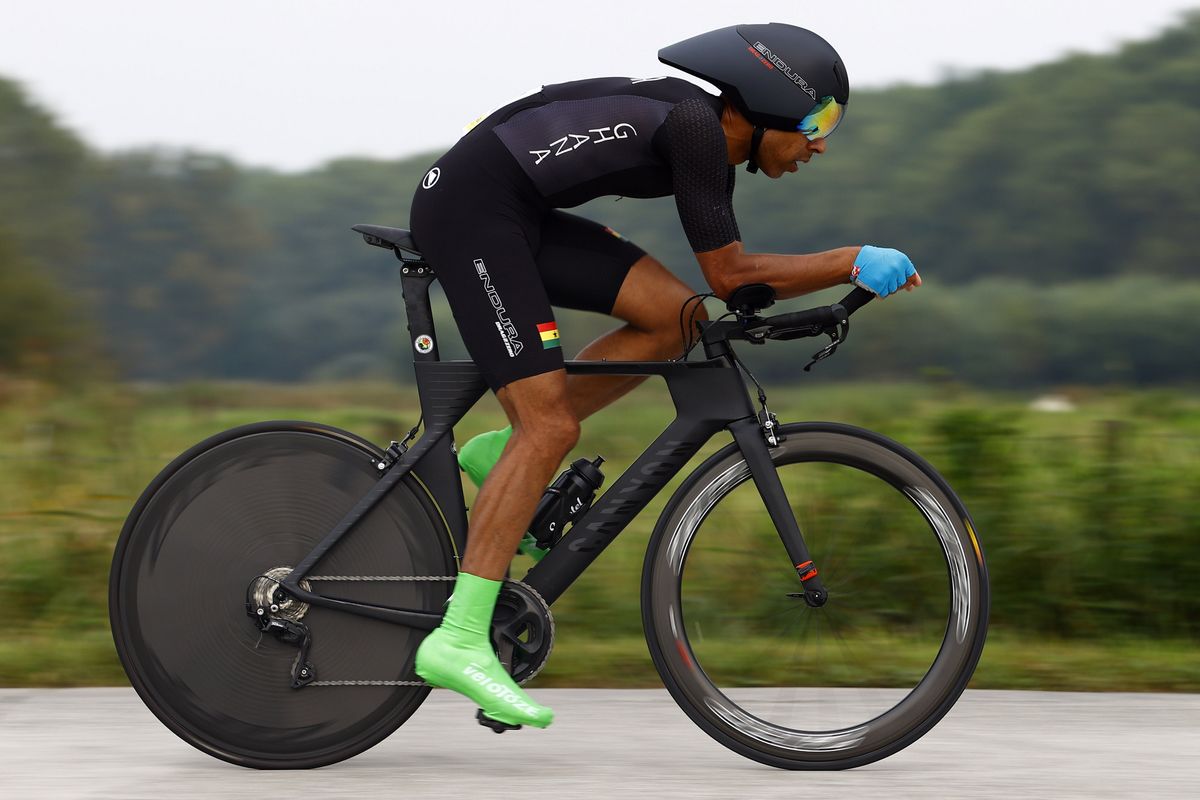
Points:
(747, 300)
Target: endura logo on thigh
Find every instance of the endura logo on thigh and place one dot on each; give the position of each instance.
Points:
(499, 690)
(508, 331)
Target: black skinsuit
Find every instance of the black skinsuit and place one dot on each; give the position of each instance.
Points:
(486, 214)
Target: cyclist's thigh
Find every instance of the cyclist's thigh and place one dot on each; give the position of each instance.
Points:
(479, 248)
(583, 263)
(589, 266)
(651, 298)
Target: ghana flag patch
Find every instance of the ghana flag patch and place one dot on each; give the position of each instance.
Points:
(549, 333)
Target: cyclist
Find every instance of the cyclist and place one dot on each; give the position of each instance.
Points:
(487, 217)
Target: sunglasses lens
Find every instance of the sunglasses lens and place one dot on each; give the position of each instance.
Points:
(822, 120)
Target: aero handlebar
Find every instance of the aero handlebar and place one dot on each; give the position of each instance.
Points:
(811, 321)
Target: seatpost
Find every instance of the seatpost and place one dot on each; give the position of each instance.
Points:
(414, 284)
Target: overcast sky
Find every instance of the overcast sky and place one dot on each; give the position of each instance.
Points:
(290, 84)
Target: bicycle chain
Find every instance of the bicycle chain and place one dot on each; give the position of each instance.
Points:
(392, 578)
(380, 578)
(368, 683)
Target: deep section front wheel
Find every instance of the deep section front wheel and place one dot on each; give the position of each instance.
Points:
(832, 687)
(233, 515)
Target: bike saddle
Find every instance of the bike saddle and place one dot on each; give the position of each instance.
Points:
(398, 240)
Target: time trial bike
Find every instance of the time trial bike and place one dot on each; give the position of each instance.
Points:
(814, 595)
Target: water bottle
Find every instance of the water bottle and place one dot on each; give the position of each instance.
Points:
(566, 500)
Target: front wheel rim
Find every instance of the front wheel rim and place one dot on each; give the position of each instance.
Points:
(721, 692)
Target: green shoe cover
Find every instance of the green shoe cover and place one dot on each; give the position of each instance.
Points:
(477, 457)
(480, 453)
(529, 547)
(458, 655)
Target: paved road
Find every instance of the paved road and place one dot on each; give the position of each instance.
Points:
(102, 743)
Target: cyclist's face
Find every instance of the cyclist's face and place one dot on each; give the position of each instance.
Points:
(784, 151)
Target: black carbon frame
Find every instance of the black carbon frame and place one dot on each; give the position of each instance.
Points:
(709, 395)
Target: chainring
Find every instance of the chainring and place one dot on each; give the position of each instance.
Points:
(522, 630)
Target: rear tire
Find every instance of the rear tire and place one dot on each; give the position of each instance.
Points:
(724, 616)
(242, 503)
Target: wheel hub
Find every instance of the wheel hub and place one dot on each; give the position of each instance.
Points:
(266, 592)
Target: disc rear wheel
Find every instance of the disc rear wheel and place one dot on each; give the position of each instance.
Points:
(218, 528)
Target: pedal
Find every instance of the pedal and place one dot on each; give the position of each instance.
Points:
(495, 724)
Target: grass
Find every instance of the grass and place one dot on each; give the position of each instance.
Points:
(1010, 661)
(1088, 518)
(582, 659)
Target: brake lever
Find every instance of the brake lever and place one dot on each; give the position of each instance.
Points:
(836, 335)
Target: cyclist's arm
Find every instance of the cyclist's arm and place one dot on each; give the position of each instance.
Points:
(729, 267)
(703, 185)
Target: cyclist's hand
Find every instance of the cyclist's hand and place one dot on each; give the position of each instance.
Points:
(883, 270)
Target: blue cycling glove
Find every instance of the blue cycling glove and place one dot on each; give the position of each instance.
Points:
(881, 270)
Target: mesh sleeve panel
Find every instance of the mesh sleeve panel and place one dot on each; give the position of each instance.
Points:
(701, 175)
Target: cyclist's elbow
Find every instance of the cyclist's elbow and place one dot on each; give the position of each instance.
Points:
(723, 268)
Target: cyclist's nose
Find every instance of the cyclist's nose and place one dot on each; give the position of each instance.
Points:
(817, 146)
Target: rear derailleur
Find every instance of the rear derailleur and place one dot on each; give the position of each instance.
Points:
(273, 612)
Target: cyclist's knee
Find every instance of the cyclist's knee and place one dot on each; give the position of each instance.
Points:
(673, 337)
(541, 414)
(689, 306)
(696, 311)
(552, 431)
(651, 298)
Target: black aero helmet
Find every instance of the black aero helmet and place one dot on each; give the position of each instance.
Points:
(777, 75)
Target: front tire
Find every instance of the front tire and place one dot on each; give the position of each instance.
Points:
(817, 688)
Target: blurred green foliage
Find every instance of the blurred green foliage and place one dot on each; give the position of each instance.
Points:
(41, 167)
(1051, 211)
(169, 254)
(37, 334)
(1088, 518)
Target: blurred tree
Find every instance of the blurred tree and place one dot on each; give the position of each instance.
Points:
(41, 165)
(169, 254)
(1079, 173)
(37, 334)
(319, 301)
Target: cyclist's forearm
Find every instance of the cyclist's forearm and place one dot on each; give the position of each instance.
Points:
(789, 275)
(794, 275)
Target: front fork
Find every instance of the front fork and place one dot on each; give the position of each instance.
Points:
(749, 435)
